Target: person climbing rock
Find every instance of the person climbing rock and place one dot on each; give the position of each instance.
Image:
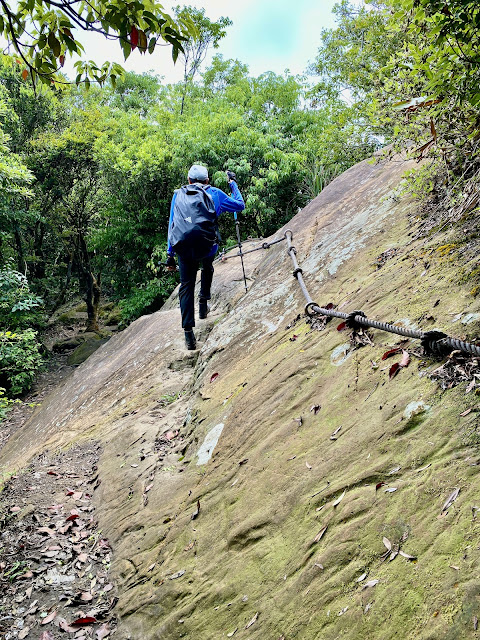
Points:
(193, 237)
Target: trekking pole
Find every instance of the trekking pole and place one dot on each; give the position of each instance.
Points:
(240, 253)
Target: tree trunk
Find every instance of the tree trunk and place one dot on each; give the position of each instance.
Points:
(91, 284)
(21, 264)
(39, 264)
(93, 301)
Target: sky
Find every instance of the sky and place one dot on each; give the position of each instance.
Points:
(267, 35)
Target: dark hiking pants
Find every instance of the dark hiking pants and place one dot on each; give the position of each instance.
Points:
(188, 275)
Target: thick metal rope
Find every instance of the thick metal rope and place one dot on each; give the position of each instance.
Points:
(264, 245)
(432, 340)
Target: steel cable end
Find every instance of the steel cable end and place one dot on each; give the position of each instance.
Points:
(434, 343)
(351, 323)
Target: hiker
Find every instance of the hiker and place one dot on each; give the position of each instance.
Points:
(193, 237)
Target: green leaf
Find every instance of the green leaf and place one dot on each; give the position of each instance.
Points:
(54, 44)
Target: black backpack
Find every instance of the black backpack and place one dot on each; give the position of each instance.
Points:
(194, 227)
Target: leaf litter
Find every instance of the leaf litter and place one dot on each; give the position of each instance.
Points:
(459, 367)
(56, 569)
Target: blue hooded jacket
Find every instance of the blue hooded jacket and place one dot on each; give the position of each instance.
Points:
(222, 202)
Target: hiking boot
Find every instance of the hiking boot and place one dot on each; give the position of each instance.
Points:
(190, 340)
(203, 309)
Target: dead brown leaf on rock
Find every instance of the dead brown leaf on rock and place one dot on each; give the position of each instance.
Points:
(320, 534)
(451, 499)
(103, 631)
(63, 624)
(338, 500)
(252, 621)
(196, 513)
(334, 434)
(49, 618)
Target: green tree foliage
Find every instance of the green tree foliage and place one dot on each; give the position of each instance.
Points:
(195, 48)
(42, 34)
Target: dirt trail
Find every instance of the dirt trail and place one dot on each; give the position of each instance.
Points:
(55, 561)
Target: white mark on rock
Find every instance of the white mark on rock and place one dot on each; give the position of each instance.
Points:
(340, 354)
(414, 408)
(211, 439)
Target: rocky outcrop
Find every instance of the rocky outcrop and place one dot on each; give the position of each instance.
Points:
(265, 486)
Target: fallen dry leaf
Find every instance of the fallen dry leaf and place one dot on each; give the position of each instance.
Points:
(341, 326)
(309, 466)
(380, 484)
(393, 471)
(197, 511)
(451, 499)
(179, 574)
(28, 592)
(387, 543)
(407, 555)
(63, 624)
(320, 534)
(332, 437)
(86, 596)
(103, 632)
(299, 420)
(252, 621)
(344, 610)
(338, 500)
(361, 578)
(465, 413)
(46, 635)
(390, 489)
(214, 377)
(49, 618)
(232, 633)
(47, 531)
(370, 583)
(80, 622)
(423, 468)
(405, 361)
(394, 369)
(391, 352)
(24, 633)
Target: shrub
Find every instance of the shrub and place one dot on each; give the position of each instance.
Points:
(20, 360)
(19, 307)
(148, 298)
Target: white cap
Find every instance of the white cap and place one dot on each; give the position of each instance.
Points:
(197, 172)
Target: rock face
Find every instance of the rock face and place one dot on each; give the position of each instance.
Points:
(265, 485)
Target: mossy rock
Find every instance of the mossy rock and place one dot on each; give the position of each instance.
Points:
(68, 344)
(85, 350)
(112, 316)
